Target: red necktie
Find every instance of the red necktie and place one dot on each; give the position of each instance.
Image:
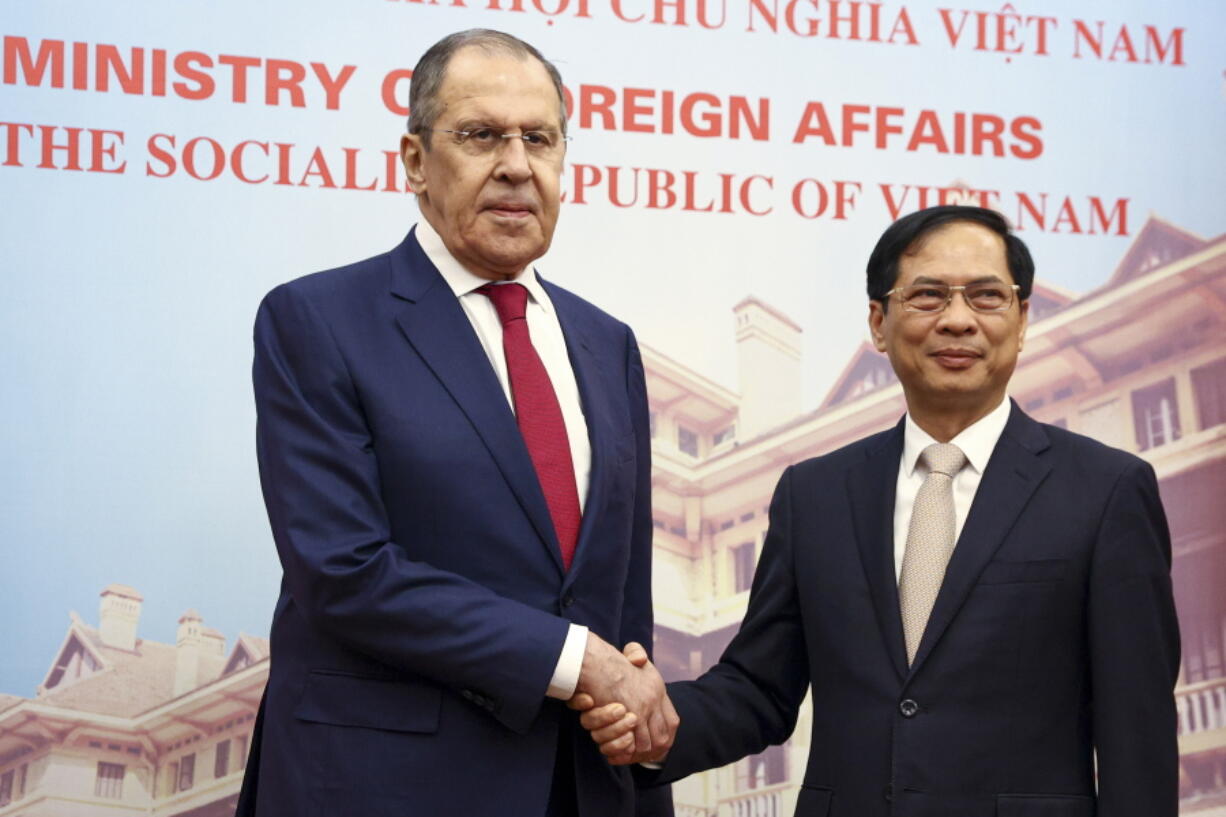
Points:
(539, 416)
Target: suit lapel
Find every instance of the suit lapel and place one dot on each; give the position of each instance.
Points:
(871, 488)
(434, 323)
(1014, 472)
(597, 400)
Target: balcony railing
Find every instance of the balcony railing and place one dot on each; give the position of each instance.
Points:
(766, 802)
(683, 810)
(1201, 707)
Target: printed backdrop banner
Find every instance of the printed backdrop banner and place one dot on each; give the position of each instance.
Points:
(733, 162)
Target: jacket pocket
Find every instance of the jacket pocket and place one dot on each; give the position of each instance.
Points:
(1040, 570)
(1044, 805)
(813, 801)
(370, 703)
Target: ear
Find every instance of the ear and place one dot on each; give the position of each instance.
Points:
(1021, 332)
(876, 317)
(413, 156)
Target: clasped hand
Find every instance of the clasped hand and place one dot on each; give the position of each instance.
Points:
(624, 704)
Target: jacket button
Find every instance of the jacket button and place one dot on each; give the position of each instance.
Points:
(568, 600)
(466, 694)
(888, 794)
(908, 708)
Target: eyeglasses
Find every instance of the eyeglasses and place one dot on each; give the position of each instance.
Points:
(483, 140)
(931, 298)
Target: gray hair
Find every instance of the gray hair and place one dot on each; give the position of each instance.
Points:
(424, 106)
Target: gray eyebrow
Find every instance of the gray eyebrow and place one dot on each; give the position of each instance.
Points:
(476, 122)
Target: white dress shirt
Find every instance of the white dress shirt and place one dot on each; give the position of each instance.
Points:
(977, 442)
(550, 345)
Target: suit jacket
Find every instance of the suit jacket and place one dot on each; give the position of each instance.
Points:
(424, 602)
(1053, 636)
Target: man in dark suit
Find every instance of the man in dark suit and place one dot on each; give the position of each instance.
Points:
(455, 458)
(980, 603)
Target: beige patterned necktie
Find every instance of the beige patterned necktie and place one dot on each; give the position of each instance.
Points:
(930, 541)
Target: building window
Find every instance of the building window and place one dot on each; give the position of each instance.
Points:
(687, 441)
(240, 745)
(21, 780)
(768, 768)
(6, 788)
(109, 781)
(187, 772)
(651, 423)
(760, 771)
(1203, 648)
(742, 567)
(1204, 775)
(1209, 385)
(221, 761)
(1156, 414)
(723, 436)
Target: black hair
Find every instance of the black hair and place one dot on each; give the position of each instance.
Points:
(907, 235)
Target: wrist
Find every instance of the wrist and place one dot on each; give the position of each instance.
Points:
(601, 665)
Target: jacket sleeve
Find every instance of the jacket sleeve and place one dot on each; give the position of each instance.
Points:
(321, 487)
(752, 697)
(1134, 653)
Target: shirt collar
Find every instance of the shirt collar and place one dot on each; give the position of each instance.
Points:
(459, 278)
(977, 441)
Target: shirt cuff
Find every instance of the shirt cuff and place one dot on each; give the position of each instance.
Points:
(655, 767)
(570, 662)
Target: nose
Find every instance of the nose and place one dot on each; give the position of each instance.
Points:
(513, 165)
(958, 318)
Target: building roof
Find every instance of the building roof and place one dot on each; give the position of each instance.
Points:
(256, 647)
(89, 675)
(248, 649)
(866, 371)
(1157, 243)
(129, 681)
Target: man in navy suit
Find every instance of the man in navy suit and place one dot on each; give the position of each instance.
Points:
(455, 458)
(980, 603)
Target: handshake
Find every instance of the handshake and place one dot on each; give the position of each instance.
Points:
(624, 704)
